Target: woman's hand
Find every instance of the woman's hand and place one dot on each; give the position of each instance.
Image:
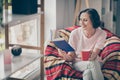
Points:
(70, 56)
(93, 57)
(94, 54)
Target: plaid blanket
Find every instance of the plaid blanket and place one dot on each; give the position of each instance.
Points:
(58, 69)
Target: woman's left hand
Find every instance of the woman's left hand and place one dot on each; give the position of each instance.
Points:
(94, 54)
(70, 56)
(93, 57)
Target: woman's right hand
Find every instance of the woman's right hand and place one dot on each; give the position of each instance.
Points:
(70, 56)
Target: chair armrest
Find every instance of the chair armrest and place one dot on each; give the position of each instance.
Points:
(51, 50)
(111, 58)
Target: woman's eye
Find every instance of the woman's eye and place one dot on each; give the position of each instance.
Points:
(85, 20)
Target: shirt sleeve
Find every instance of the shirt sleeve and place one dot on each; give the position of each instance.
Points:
(101, 40)
(72, 39)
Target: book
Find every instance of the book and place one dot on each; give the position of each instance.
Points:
(63, 45)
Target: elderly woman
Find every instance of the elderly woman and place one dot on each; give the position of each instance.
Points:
(89, 37)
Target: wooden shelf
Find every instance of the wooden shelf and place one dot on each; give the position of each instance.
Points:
(11, 20)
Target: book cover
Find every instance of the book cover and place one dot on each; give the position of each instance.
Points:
(63, 45)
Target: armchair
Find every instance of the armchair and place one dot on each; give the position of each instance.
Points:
(58, 69)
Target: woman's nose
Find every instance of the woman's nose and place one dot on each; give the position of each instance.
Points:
(81, 22)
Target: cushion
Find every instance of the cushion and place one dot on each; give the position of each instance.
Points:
(65, 33)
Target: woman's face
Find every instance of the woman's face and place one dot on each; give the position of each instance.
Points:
(85, 21)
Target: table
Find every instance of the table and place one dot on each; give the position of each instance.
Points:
(13, 66)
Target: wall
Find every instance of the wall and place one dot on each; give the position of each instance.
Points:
(107, 15)
(118, 18)
(97, 4)
(50, 18)
(64, 13)
(111, 15)
(58, 14)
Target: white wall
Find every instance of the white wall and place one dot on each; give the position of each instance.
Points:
(50, 17)
(65, 13)
(58, 14)
(97, 4)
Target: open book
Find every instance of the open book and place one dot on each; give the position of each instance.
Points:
(63, 45)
